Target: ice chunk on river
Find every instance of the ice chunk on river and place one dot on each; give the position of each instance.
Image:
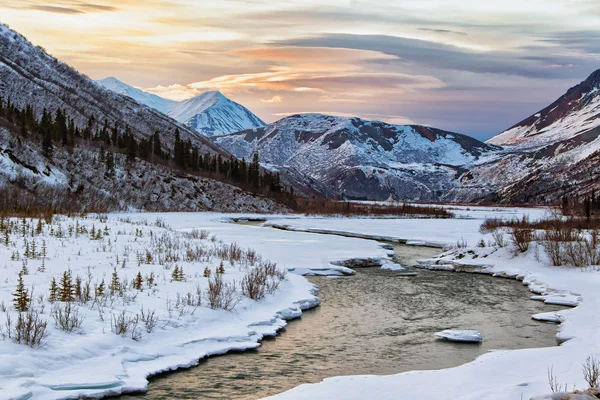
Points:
(459, 335)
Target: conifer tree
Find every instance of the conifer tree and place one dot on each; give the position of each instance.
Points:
(65, 291)
(100, 289)
(24, 269)
(138, 282)
(175, 273)
(77, 290)
(21, 296)
(54, 295)
(115, 283)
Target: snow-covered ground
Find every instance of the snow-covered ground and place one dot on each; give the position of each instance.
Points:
(436, 232)
(93, 360)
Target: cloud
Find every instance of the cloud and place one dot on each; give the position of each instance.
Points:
(97, 7)
(444, 31)
(274, 99)
(584, 40)
(55, 9)
(430, 54)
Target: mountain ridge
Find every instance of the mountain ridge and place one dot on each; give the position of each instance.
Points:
(209, 113)
(351, 158)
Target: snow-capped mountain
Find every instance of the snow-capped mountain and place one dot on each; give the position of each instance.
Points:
(554, 152)
(28, 75)
(356, 159)
(213, 114)
(210, 113)
(148, 99)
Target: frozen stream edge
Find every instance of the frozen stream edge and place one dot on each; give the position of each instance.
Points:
(533, 275)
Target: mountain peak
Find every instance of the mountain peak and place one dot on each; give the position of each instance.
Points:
(575, 112)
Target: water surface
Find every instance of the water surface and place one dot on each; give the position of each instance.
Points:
(375, 322)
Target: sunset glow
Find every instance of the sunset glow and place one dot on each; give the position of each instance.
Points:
(376, 60)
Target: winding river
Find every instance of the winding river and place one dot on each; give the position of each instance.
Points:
(375, 322)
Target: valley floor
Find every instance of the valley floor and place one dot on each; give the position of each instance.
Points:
(117, 345)
(94, 361)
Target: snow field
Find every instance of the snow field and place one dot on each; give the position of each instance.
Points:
(130, 329)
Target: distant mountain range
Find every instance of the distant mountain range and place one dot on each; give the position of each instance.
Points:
(210, 113)
(550, 154)
(352, 158)
(553, 153)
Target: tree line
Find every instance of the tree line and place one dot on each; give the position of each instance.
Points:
(59, 129)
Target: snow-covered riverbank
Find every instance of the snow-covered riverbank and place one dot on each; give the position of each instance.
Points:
(515, 374)
(93, 360)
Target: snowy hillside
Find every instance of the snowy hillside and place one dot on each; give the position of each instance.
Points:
(356, 159)
(79, 179)
(550, 154)
(28, 75)
(209, 113)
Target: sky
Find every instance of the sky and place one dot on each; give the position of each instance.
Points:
(474, 67)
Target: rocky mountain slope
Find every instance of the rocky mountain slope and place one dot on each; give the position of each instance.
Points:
(78, 179)
(28, 75)
(553, 153)
(352, 158)
(210, 113)
(577, 111)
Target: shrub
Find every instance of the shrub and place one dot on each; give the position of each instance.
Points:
(262, 280)
(29, 329)
(123, 324)
(150, 319)
(221, 295)
(521, 238)
(66, 316)
(498, 237)
(591, 372)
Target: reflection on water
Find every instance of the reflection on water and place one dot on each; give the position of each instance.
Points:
(375, 322)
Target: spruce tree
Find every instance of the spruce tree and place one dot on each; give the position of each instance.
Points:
(138, 282)
(115, 283)
(175, 273)
(54, 295)
(21, 296)
(77, 290)
(100, 289)
(66, 287)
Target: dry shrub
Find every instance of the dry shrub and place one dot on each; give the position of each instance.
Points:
(521, 238)
(591, 372)
(149, 318)
(220, 294)
(332, 207)
(123, 324)
(498, 237)
(66, 316)
(262, 280)
(29, 329)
